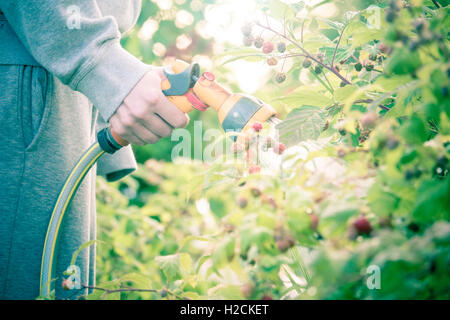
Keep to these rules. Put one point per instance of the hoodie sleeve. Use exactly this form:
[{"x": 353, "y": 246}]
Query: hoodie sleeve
[{"x": 73, "y": 41}]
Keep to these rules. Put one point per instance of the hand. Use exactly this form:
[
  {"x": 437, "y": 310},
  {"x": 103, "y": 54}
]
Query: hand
[{"x": 146, "y": 115}]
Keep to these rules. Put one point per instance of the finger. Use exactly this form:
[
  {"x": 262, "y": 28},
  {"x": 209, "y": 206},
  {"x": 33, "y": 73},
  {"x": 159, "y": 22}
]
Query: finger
[
  {"x": 158, "y": 126},
  {"x": 170, "y": 113},
  {"x": 144, "y": 134},
  {"x": 119, "y": 128},
  {"x": 134, "y": 128}
]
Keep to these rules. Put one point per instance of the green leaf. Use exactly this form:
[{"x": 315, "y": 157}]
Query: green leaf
[
  {"x": 185, "y": 263},
  {"x": 77, "y": 252},
  {"x": 280, "y": 10},
  {"x": 224, "y": 251},
  {"x": 170, "y": 266},
  {"x": 302, "y": 124},
  {"x": 301, "y": 97}
]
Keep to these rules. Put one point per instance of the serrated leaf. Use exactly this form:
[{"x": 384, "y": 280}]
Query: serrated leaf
[
  {"x": 170, "y": 266},
  {"x": 306, "y": 97},
  {"x": 302, "y": 124}
]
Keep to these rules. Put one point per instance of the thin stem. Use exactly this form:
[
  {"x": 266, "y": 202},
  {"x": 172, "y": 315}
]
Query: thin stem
[
  {"x": 436, "y": 4},
  {"x": 321, "y": 81},
  {"x": 337, "y": 46},
  {"x": 326, "y": 78},
  {"x": 331, "y": 68},
  {"x": 109, "y": 291},
  {"x": 370, "y": 101}
]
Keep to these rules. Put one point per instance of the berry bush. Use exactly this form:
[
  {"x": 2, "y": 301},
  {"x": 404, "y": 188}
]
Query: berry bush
[{"x": 353, "y": 203}]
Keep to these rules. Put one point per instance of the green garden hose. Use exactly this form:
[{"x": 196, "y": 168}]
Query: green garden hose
[{"x": 87, "y": 160}]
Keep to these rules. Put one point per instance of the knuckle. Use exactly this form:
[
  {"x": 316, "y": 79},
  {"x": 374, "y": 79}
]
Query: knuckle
[
  {"x": 153, "y": 97},
  {"x": 140, "y": 112},
  {"x": 181, "y": 122}
]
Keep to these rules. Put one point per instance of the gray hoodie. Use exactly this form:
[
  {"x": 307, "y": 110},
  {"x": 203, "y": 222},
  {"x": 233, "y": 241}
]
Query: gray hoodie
[{"x": 58, "y": 59}]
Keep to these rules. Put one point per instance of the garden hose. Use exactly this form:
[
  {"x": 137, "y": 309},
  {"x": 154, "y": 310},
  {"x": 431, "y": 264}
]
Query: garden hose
[{"x": 188, "y": 90}]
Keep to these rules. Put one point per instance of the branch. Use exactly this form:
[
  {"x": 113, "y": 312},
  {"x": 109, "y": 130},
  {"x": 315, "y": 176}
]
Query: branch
[
  {"x": 337, "y": 46},
  {"x": 370, "y": 101},
  {"x": 109, "y": 291},
  {"x": 436, "y": 4},
  {"x": 307, "y": 54}
]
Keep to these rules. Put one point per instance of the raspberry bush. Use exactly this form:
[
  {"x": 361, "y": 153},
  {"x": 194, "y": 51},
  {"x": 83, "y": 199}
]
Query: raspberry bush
[{"x": 360, "y": 188}]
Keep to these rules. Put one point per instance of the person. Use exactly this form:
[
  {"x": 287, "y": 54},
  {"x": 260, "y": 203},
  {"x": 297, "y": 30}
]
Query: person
[{"x": 64, "y": 75}]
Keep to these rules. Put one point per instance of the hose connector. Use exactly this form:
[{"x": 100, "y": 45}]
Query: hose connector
[{"x": 107, "y": 142}]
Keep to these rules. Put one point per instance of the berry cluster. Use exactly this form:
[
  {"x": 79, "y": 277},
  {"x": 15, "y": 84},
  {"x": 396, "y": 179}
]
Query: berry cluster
[{"x": 266, "y": 46}]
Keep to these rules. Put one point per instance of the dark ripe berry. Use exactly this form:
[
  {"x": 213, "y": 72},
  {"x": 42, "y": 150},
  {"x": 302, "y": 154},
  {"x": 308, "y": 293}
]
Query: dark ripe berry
[
  {"x": 259, "y": 41},
  {"x": 342, "y": 132},
  {"x": 254, "y": 169},
  {"x": 358, "y": 66},
  {"x": 419, "y": 24},
  {"x": 246, "y": 29},
  {"x": 369, "y": 67},
  {"x": 318, "y": 69},
  {"x": 373, "y": 57},
  {"x": 163, "y": 293},
  {"x": 414, "y": 227},
  {"x": 396, "y": 4},
  {"x": 414, "y": 45},
  {"x": 272, "y": 61},
  {"x": 242, "y": 202},
  {"x": 314, "y": 222},
  {"x": 280, "y": 77},
  {"x": 384, "y": 48},
  {"x": 267, "y": 47},
  {"x": 391, "y": 15},
  {"x": 444, "y": 91},
  {"x": 362, "y": 226},
  {"x": 392, "y": 143},
  {"x": 255, "y": 191},
  {"x": 281, "y": 47},
  {"x": 306, "y": 63},
  {"x": 368, "y": 120},
  {"x": 285, "y": 243},
  {"x": 266, "y": 297},
  {"x": 342, "y": 84},
  {"x": 442, "y": 162},
  {"x": 341, "y": 152},
  {"x": 410, "y": 174},
  {"x": 248, "y": 41}
]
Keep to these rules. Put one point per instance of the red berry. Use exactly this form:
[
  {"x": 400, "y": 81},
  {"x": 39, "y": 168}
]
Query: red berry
[
  {"x": 266, "y": 297},
  {"x": 257, "y": 126},
  {"x": 314, "y": 222},
  {"x": 267, "y": 47},
  {"x": 280, "y": 148},
  {"x": 254, "y": 169},
  {"x": 66, "y": 284},
  {"x": 362, "y": 225},
  {"x": 272, "y": 61}
]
